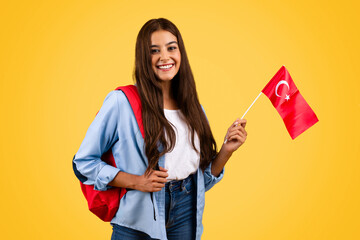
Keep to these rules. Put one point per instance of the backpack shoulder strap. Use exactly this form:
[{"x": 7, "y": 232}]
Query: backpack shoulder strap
[{"x": 133, "y": 97}]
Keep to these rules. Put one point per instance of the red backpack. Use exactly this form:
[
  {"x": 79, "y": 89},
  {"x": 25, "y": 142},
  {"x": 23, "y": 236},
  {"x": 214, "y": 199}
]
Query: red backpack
[{"x": 105, "y": 204}]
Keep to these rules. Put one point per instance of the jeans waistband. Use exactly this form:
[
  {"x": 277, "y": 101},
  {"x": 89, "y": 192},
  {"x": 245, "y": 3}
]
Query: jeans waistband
[{"x": 178, "y": 184}]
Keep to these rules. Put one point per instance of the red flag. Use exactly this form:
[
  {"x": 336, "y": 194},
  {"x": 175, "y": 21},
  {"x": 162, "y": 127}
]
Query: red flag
[{"x": 292, "y": 107}]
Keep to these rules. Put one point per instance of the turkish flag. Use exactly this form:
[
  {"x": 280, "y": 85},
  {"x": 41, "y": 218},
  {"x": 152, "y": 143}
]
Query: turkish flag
[{"x": 292, "y": 107}]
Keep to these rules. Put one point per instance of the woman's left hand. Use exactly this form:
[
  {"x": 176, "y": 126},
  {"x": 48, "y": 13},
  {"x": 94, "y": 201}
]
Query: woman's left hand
[{"x": 235, "y": 136}]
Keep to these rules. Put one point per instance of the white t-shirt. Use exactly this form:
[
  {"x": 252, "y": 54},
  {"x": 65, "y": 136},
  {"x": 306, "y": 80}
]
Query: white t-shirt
[{"x": 183, "y": 160}]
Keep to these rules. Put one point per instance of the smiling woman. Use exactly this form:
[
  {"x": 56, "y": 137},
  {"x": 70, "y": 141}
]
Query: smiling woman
[
  {"x": 176, "y": 162},
  {"x": 165, "y": 55}
]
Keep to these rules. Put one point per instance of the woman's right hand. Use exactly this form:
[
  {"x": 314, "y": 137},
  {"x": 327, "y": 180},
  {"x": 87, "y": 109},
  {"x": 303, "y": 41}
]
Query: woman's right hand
[{"x": 152, "y": 182}]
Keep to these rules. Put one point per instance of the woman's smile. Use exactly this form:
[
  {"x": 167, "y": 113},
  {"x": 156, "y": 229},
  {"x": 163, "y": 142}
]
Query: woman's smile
[{"x": 165, "y": 67}]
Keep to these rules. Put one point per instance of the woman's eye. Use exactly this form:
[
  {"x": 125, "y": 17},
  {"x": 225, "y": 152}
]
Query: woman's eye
[
  {"x": 154, "y": 50},
  {"x": 172, "y": 48}
]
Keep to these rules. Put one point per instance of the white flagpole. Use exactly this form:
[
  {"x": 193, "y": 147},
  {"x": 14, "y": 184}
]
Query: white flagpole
[
  {"x": 248, "y": 110},
  {"x": 251, "y": 105}
]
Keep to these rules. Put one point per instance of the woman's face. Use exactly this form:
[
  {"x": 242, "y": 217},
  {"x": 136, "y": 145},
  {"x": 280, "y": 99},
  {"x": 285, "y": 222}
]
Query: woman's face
[{"x": 165, "y": 55}]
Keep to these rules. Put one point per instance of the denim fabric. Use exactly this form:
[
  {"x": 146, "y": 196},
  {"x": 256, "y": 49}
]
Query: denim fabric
[
  {"x": 180, "y": 211},
  {"x": 125, "y": 233},
  {"x": 115, "y": 127}
]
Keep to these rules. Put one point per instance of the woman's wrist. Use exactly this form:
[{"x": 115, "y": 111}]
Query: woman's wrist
[
  {"x": 125, "y": 180},
  {"x": 134, "y": 182},
  {"x": 224, "y": 152},
  {"x": 220, "y": 161}
]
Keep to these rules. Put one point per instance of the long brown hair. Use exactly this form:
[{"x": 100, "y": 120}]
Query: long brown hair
[{"x": 184, "y": 92}]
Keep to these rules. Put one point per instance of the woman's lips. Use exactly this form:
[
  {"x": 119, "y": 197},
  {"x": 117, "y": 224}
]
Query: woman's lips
[{"x": 166, "y": 69}]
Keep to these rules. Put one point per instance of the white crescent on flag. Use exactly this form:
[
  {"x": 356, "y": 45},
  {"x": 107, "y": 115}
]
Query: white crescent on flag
[
  {"x": 278, "y": 85},
  {"x": 287, "y": 97}
]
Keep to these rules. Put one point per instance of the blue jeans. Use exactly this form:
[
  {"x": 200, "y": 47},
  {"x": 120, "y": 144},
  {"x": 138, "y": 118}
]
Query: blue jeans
[{"x": 180, "y": 214}]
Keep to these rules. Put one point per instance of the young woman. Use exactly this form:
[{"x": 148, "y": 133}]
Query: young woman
[{"x": 171, "y": 168}]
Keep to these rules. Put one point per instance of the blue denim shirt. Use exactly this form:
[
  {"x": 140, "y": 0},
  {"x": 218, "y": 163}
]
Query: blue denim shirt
[{"x": 115, "y": 127}]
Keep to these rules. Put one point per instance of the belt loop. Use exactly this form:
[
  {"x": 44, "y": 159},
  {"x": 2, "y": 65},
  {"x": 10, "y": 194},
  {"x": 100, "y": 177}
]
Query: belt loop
[{"x": 185, "y": 181}]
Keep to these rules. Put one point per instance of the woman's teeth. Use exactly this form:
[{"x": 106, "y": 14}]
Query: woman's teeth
[{"x": 165, "y": 67}]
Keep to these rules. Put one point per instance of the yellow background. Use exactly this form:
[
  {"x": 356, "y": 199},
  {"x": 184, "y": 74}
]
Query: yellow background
[{"x": 59, "y": 59}]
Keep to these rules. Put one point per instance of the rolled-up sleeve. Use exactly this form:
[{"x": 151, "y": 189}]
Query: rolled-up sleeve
[
  {"x": 209, "y": 179},
  {"x": 99, "y": 138}
]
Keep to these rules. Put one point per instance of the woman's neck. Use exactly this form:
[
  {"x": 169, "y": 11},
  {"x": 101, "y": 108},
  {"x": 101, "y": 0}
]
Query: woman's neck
[{"x": 169, "y": 101}]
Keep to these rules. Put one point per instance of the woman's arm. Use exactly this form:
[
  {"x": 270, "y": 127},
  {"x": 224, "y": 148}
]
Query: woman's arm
[
  {"x": 100, "y": 136},
  {"x": 236, "y": 136},
  {"x": 152, "y": 182}
]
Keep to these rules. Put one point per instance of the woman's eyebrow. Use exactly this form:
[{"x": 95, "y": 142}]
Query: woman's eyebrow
[{"x": 165, "y": 44}]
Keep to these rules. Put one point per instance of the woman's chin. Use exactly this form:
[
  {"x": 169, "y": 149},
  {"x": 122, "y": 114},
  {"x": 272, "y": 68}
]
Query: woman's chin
[{"x": 165, "y": 79}]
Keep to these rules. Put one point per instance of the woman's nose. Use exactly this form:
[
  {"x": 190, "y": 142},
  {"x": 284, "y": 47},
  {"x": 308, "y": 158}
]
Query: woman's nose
[{"x": 164, "y": 55}]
